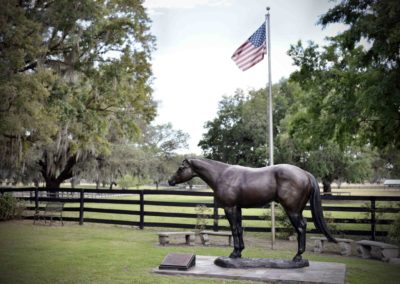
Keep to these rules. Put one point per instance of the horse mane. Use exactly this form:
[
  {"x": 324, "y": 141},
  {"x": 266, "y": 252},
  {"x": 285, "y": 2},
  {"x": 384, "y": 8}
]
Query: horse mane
[
  {"x": 208, "y": 161},
  {"x": 207, "y": 170}
]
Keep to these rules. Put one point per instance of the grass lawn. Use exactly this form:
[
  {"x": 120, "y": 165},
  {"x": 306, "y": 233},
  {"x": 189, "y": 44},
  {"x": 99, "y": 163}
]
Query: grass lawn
[{"x": 115, "y": 254}]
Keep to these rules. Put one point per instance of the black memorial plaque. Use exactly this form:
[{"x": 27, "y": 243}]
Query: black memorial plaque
[{"x": 178, "y": 261}]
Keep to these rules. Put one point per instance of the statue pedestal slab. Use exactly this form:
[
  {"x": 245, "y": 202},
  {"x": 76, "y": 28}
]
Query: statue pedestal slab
[{"x": 316, "y": 272}]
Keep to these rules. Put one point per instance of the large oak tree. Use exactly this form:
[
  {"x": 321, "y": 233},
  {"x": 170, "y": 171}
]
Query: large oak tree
[{"x": 74, "y": 77}]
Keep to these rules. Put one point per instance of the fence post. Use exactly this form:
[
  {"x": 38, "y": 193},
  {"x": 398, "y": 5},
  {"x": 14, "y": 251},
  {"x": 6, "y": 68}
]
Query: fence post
[
  {"x": 141, "y": 221},
  {"x": 215, "y": 215},
  {"x": 373, "y": 219},
  {"x": 36, "y": 200},
  {"x": 81, "y": 206}
]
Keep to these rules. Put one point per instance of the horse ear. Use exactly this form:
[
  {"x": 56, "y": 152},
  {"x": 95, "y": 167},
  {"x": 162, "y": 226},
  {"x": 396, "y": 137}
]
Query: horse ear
[{"x": 186, "y": 162}]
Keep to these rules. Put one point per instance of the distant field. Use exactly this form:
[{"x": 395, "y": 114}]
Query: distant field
[
  {"x": 366, "y": 190},
  {"x": 345, "y": 189}
]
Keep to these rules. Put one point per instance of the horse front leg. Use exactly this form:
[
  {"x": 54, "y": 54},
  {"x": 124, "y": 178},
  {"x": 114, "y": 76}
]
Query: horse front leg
[
  {"x": 231, "y": 214},
  {"x": 240, "y": 228}
]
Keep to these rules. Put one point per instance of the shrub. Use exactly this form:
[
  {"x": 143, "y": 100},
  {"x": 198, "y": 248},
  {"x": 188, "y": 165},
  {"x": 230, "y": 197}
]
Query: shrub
[
  {"x": 203, "y": 213},
  {"x": 285, "y": 228},
  {"x": 9, "y": 207},
  {"x": 394, "y": 231},
  {"x": 330, "y": 221},
  {"x": 128, "y": 181}
]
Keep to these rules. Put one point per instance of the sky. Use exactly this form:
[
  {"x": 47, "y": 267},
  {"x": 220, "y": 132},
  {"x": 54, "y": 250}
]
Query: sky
[{"x": 192, "y": 64}]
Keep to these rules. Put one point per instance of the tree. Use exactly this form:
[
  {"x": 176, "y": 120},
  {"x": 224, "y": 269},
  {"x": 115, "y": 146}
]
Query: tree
[
  {"x": 308, "y": 149},
  {"x": 163, "y": 139},
  {"x": 75, "y": 76},
  {"x": 331, "y": 163},
  {"x": 161, "y": 142},
  {"x": 385, "y": 164},
  {"x": 152, "y": 157},
  {"x": 125, "y": 159},
  {"x": 238, "y": 134},
  {"x": 352, "y": 83}
]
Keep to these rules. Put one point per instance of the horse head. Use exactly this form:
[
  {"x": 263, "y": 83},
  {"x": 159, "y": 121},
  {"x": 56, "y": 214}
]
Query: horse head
[{"x": 183, "y": 174}]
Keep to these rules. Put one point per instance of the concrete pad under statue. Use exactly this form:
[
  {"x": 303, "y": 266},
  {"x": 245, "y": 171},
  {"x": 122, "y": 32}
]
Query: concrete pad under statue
[{"x": 316, "y": 272}]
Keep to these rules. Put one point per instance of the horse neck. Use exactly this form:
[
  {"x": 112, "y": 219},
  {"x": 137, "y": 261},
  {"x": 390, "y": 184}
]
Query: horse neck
[{"x": 208, "y": 170}]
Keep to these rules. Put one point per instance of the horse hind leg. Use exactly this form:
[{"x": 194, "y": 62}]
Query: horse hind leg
[{"x": 300, "y": 225}]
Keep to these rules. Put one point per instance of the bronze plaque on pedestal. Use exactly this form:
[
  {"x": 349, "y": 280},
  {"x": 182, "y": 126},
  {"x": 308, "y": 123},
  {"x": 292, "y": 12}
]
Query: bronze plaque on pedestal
[{"x": 178, "y": 261}]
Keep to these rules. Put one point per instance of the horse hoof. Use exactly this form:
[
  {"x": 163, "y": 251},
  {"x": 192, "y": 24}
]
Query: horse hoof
[
  {"x": 235, "y": 255},
  {"x": 297, "y": 258}
]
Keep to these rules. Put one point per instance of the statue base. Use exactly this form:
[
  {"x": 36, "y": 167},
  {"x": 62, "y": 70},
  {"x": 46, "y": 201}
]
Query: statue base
[
  {"x": 317, "y": 272},
  {"x": 247, "y": 263}
]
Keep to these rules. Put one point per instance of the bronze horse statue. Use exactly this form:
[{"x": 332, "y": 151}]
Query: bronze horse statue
[{"x": 237, "y": 187}]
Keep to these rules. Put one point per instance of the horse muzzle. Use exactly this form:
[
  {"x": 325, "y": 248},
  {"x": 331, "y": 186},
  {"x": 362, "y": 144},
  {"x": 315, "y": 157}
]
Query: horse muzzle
[{"x": 171, "y": 182}]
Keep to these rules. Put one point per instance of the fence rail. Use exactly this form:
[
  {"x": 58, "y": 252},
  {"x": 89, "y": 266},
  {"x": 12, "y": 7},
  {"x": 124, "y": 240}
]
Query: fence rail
[{"x": 84, "y": 197}]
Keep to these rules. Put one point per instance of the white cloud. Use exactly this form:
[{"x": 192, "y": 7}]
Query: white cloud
[{"x": 183, "y": 4}]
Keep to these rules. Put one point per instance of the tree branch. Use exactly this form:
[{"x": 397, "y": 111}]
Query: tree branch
[
  {"x": 54, "y": 47},
  {"x": 105, "y": 109},
  {"x": 30, "y": 66},
  {"x": 43, "y": 165},
  {"x": 67, "y": 171}
]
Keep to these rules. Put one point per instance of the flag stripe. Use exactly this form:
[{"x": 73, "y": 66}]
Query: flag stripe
[
  {"x": 250, "y": 58},
  {"x": 253, "y": 62},
  {"x": 242, "y": 48},
  {"x": 245, "y": 53},
  {"x": 252, "y": 50}
]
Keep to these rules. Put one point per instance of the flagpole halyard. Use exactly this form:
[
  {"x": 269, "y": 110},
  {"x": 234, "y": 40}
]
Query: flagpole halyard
[{"x": 271, "y": 138}]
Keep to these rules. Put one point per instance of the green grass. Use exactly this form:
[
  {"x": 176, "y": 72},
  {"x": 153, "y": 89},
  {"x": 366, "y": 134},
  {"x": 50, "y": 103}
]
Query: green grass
[{"x": 114, "y": 254}]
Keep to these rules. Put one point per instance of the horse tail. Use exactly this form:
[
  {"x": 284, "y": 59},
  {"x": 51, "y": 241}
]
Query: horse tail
[{"x": 316, "y": 211}]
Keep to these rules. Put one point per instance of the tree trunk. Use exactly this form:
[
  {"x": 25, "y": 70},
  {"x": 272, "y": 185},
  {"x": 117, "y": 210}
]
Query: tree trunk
[
  {"x": 52, "y": 186},
  {"x": 112, "y": 183},
  {"x": 36, "y": 182},
  {"x": 53, "y": 182},
  {"x": 327, "y": 185}
]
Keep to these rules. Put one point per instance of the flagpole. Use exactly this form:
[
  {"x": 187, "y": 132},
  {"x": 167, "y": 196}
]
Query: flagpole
[{"x": 271, "y": 138}]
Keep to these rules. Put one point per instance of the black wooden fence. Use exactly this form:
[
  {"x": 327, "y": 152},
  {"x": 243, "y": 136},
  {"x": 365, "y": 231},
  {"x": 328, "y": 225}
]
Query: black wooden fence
[{"x": 372, "y": 215}]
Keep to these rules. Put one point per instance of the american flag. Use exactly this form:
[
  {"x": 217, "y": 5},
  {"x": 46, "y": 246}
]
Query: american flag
[{"x": 252, "y": 51}]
